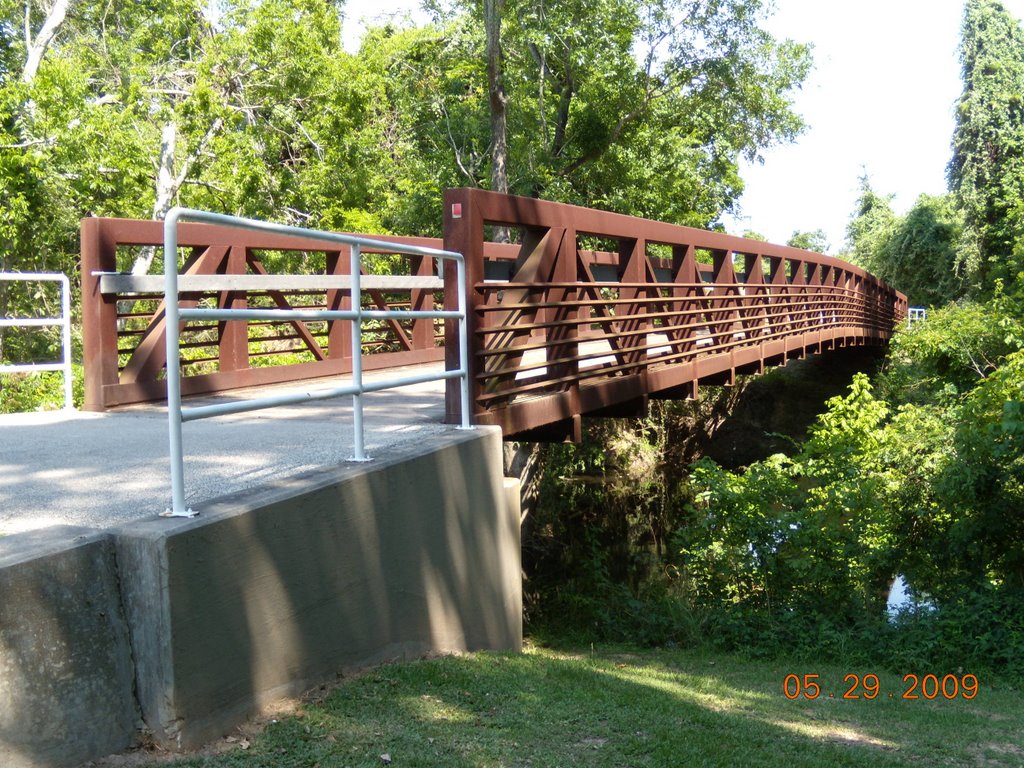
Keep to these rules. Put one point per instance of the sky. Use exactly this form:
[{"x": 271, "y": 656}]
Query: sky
[{"x": 878, "y": 101}]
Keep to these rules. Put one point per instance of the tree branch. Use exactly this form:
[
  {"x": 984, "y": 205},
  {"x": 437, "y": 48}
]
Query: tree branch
[
  {"x": 26, "y": 144},
  {"x": 37, "y": 48},
  {"x": 451, "y": 140}
]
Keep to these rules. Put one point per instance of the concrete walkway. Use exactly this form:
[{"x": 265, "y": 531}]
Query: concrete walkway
[{"x": 100, "y": 470}]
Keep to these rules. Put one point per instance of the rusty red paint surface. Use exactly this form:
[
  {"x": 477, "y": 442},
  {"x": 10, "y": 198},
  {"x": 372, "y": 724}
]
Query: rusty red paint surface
[
  {"x": 578, "y": 330},
  {"x": 589, "y": 313}
]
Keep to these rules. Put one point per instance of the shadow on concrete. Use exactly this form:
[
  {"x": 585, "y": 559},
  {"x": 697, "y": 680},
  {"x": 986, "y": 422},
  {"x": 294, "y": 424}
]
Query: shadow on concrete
[
  {"x": 272, "y": 592},
  {"x": 66, "y": 676}
]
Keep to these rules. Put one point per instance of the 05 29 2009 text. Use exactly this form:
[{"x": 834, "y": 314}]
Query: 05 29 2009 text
[{"x": 868, "y": 686}]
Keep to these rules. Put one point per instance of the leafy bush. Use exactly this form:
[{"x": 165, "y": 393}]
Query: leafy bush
[
  {"x": 979, "y": 631},
  {"x": 806, "y": 533},
  {"x": 953, "y": 351},
  {"x": 21, "y": 392},
  {"x": 796, "y": 553}
]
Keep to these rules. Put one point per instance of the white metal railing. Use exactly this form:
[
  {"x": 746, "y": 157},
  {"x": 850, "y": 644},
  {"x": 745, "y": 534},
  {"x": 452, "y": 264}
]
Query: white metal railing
[
  {"x": 177, "y": 415},
  {"x": 64, "y": 321}
]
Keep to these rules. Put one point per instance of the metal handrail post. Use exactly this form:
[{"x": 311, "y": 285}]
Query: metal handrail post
[
  {"x": 65, "y": 308},
  {"x": 460, "y": 271},
  {"x": 171, "y": 335},
  {"x": 358, "y": 446}
]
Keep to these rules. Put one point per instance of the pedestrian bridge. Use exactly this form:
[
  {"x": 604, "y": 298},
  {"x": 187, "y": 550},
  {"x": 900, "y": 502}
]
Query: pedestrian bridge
[
  {"x": 587, "y": 313},
  {"x": 301, "y": 565}
]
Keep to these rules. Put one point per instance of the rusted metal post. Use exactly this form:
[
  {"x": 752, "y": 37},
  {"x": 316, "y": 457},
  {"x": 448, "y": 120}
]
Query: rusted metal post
[
  {"x": 233, "y": 335},
  {"x": 99, "y": 314},
  {"x": 423, "y": 336},
  {"x": 463, "y": 233},
  {"x": 339, "y": 332}
]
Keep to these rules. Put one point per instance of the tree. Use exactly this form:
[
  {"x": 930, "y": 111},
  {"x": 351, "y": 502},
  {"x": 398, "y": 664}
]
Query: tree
[
  {"x": 986, "y": 172},
  {"x": 872, "y": 222},
  {"x": 493, "y": 10},
  {"x": 640, "y": 106},
  {"x": 816, "y": 241},
  {"x": 919, "y": 256},
  {"x": 916, "y": 253}
]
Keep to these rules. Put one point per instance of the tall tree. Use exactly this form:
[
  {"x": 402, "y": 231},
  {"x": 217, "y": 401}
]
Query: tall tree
[
  {"x": 640, "y": 106},
  {"x": 873, "y": 221},
  {"x": 493, "y": 10},
  {"x": 986, "y": 172},
  {"x": 916, "y": 253},
  {"x": 630, "y": 102},
  {"x": 919, "y": 255},
  {"x": 816, "y": 241}
]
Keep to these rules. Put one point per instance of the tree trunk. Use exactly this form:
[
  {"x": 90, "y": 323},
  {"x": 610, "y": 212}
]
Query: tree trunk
[
  {"x": 165, "y": 191},
  {"x": 168, "y": 184},
  {"x": 493, "y": 10},
  {"x": 36, "y": 48}
]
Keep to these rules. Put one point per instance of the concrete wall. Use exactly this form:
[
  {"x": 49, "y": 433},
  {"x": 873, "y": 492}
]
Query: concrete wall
[
  {"x": 268, "y": 593},
  {"x": 66, "y": 674},
  {"x": 264, "y": 595}
]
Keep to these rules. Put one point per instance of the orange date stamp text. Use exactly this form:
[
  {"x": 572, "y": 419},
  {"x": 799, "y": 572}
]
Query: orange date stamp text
[{"x": 867, "y": 686}]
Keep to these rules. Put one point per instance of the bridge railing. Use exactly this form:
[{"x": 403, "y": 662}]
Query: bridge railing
[
  {"x": 124, "y": 325},
  {"x": 599, "y": 311},
  {"x": 177, "y": 316},
  {"x": 123, "y": 314},
  {"x": 64, "y": 322},
  {"x": 588, "y": 312}
]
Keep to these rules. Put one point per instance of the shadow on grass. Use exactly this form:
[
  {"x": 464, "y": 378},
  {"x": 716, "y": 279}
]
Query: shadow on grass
[{"x": 549, "y": 709}]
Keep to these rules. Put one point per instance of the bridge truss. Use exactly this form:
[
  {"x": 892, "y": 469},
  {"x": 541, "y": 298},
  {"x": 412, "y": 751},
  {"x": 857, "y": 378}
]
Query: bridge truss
[
  {"x": 585, "y": 312},
  {"x": 599, "y": 312}
]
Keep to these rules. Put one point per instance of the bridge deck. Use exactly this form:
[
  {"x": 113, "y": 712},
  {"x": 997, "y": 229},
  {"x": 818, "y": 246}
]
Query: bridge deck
[{"x": 105, "y": 469}]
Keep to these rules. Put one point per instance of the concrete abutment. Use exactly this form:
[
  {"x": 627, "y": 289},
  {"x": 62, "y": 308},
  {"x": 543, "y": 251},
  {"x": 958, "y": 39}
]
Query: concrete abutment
[{"x": 190, "y": 626}]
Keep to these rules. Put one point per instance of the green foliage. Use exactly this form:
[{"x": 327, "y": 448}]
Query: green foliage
[
  {"x": 803, "y": 534},
  {"x": 986, "y": 172},
  {"x": 816, "y": 241},
  {"x": 916, "y": 253},
  {"x": 920, "y": 254},
  {"x": 953, "y": 351},
  {"x": 931, "y": 486},
  {"x": 872, "y": 223},
  {"x": 21, "y": 392},
  {"x": 598, "y": 546},
  {"x": 613, "y": 104},
  {"x": 983, "y": 628},
  {"x": 981, "y": 489}
]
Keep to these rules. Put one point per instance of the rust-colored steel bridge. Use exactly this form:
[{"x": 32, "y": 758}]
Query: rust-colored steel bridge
[{"x": 587, "y": 313}]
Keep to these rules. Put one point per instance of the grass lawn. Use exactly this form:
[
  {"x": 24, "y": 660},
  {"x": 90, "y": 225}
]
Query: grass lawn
[{"x": 624, "y": 706}]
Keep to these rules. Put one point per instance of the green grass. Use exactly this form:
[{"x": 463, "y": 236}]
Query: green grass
[{"x": 629, "y": 707}]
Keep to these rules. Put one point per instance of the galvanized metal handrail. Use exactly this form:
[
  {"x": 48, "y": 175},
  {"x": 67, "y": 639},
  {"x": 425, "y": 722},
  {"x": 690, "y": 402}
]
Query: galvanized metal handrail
[
  {"x": 175, "y": 314},
  {"x": 64, "y": 321}
]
